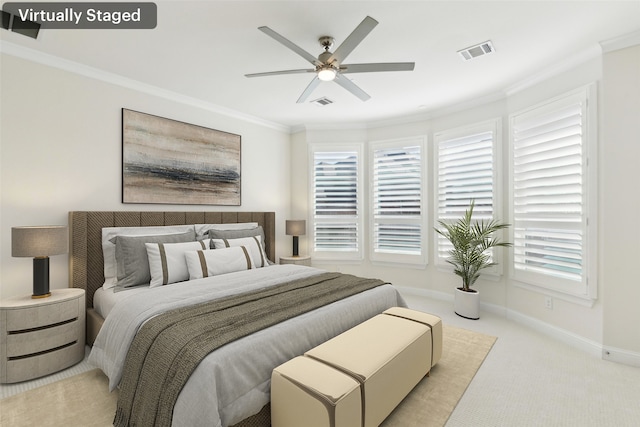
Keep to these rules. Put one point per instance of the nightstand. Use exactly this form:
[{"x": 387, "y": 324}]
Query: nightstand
[
  {"x": 41, "y": 336},
  {"x": 299, "y": 260}
]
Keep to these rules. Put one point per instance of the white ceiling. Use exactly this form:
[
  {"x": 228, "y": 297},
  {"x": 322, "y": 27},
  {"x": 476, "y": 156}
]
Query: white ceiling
[{"x": 202, "y": 49}]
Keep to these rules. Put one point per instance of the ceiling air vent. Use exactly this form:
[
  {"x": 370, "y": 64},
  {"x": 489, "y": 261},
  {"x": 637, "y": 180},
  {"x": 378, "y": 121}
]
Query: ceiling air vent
[
  {"x": 481, "y": 49},
  {"x": 322, "y": 101}
]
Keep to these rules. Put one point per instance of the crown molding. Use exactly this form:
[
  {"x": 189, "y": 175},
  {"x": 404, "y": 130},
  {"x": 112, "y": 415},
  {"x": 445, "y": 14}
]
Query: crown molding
[
  {"x": 408, "y": 118},
  {"x": 345, "y": 126},
  {"x": 621, "y": 42},
  {"x": 571, "y": 62},
  {"x": 33, "y": 55},
  {"x": 444, "y": 111}
]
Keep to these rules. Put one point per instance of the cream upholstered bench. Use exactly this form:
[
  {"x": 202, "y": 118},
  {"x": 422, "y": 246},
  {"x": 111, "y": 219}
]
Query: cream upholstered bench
[
  {"x": 433, "y": 322},
  {"x": 309, "y": 393},
  {"x": 386, "y": 356}
]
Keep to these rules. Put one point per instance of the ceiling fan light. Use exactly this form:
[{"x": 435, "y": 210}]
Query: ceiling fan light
[{"x": 327, "y": 74}]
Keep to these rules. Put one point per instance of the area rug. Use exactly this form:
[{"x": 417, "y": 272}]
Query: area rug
[
  {"x": 435, "y": 397},
  {"x": 84, "y": 399}
]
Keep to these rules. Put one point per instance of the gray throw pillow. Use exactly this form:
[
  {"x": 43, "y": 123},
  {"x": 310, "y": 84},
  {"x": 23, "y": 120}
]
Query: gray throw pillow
[{"x": 132, "y": 260}]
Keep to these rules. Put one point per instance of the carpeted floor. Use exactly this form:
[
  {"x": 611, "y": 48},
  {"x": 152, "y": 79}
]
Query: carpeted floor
[{"x": 84, "y": 399}]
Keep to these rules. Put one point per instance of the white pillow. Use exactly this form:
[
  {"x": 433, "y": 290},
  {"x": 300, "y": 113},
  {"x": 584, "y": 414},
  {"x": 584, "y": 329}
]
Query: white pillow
[
  {"x": 253, "y": 245},
  {"x": 212, "y": 263},
  {"x": 203, "y": 229},
  {"x": 109, "y": 248},
  {"x": 167, "y": 262}
]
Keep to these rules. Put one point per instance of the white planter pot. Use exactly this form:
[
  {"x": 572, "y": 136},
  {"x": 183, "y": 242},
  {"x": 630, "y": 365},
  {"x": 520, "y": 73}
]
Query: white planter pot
[{"x": 467, "y": 304}]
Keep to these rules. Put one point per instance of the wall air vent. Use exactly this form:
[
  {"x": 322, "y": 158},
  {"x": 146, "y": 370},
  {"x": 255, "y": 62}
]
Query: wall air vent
[
  {"x": 481, "y": 49},
  {"x": 322, "y": 101}
]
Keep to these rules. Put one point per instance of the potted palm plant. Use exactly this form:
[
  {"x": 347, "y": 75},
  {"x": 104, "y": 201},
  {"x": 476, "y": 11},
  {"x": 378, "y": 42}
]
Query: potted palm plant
[{"x": 471, "y": 242}]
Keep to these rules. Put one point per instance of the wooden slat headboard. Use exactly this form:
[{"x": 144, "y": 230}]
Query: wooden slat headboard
[{"x": 86, "y": 268}]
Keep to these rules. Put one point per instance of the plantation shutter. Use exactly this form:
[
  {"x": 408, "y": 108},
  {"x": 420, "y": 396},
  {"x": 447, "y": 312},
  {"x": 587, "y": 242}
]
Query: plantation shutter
[
  {"x": 397, "y": 180},
  {"x": 466, "y": 171},
  {"x": 548, "y": 191},
  {"x": 336, "y": 216}
]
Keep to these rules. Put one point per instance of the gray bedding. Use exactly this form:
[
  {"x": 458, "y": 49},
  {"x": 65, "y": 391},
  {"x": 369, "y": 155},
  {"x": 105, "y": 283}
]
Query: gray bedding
[{"x": 232, "y": 383}]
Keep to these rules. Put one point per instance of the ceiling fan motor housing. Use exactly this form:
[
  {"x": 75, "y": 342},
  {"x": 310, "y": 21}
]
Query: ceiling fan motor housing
[
  {"x": 331, "y": 67},
  {"x": 324, "y": 58}
]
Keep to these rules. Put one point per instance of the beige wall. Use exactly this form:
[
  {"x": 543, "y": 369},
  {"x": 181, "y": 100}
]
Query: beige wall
[
  {"x": 61, "y": 151},
  {"x": 620, "y": 200}
]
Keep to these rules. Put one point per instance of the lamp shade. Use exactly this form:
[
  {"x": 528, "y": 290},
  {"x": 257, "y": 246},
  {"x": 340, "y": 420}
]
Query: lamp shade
[
  {"x": 39, "y": 241},
  {"x": 296, "y": 227}
]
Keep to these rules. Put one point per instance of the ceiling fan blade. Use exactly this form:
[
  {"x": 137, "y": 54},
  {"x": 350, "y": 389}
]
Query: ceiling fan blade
[
  {"x": 353, "y": 40},
  {"x": 294, "y": 47},
  {"x": 351, "y": 87},
  {"x": 276, "y": 73},
  {"x": 314, "y": 83},
  {"x": 372, "y": 68}
]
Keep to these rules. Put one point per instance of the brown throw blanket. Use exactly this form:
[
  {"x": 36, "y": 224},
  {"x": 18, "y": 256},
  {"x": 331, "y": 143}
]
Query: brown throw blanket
[{"x": 170, "y": 346}]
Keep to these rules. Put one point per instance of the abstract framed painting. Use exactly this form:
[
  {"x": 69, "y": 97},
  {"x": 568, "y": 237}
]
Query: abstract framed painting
[{"x": 172, "y": 162}]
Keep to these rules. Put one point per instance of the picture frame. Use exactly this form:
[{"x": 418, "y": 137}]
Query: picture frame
[{"x": 166, "y": 161}]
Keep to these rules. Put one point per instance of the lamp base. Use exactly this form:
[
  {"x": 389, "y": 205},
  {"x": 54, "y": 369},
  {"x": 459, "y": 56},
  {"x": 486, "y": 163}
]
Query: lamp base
[
  {"x": 295, "y": 245},
  {"x": 41, "y": 277},
  {"x": 47, "y": 295}
]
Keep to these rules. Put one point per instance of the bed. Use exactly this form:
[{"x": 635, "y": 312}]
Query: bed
[{"x": 230, "y": 385}]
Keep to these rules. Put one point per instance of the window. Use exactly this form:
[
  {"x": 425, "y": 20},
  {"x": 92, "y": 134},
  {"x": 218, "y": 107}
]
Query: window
[
  {"x": 397, "y": 213},
  {"x": 466, "y": 169},
  {"x": 549, "y": 208},
  {"x": 336, "y": 202}
]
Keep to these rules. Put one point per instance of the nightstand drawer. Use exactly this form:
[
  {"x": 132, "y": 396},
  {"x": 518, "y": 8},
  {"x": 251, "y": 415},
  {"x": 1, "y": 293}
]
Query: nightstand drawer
[
  {"x": 41, "y": 336},
  {"x": 35, "y": 317},
  {"x": 42, "y": 340},
  {"x": 37, "y": 366}
]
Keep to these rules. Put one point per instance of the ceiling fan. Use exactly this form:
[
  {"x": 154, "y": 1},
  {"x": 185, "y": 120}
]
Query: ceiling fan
[{"x": 329, "y": 65}]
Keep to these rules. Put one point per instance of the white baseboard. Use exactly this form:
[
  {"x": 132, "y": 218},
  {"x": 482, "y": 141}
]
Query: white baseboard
[
  {"x": 426, "y": 293},
  {"x": 596, "y": 349},
  {"x": 574, "y": 340},
  {"x": 443, "y": 296},
  {"x": 619, "y": 355},
  {"x": 591, "y": 347}
]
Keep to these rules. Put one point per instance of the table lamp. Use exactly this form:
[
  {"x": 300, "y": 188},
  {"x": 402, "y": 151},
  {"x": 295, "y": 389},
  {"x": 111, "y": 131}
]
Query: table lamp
[
  {"x": 295, "y": 228},
  {"x": 39, "y": 242}
]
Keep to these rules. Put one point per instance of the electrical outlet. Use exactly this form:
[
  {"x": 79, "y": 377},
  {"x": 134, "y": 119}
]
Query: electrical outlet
[{"x": 548, "y": 303}]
